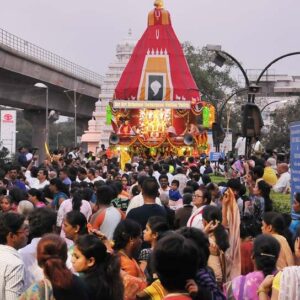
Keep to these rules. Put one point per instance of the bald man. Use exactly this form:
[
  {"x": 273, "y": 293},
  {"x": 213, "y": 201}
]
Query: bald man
[{"x": 283, "y": 182}]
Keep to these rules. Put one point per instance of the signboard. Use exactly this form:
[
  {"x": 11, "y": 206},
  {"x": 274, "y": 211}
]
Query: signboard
[
  {"x": 214, "y": 156},
  {"x": 8, "y": 130},
  {"x": 130, "y": 104},
  {"x": 295, "y": 158}
]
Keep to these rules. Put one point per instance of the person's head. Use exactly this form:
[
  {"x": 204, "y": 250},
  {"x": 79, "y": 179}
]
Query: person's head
[
  {"x": 6, "y": 203},
  {"x": 273, "y": 222},
  {"x": 63, "y": 174},
  {"x": 265, "y": 253},
  {"x": 172, "y": 253},
  {"x": 41, "y": 221},
  {"x": 282, "y": 168},
  {"x": 52, "y": 174},
  {"x": 296, "y": 203},
  {"x": 13, "y": 231},
  {"x": 13, "y": 172},
  {"x": 91, "y": 258},
  {"x": 213, "y": 214},
  {"x": 91, "y": 174},
  {"x": 175, "y": 185},
  {"x": 125, "y": 180},
  {"x": 213, "y": 189},
  {"x": 127, "y": 235},
  {"x": 89, "y": 251},
  {"x": 35, "y": 196},
  {"x": 155, "y": 226},
  {"x": 75, "y": 224},
  {"x": 201, "y": 197},
  {"x": 42, "y": 175},
  {"x": 163, "y": 181},
  {"x": 263, "y": 189},
  {"x": 25, "y": 207},
  {"x": 81, "y": 173},
  {"x": 258, "y": 172},
  {"x": 105, "y": 195},
  {"x": 201, "y": 241},
  {"x": 150, "y": 188},
  {"x": 51, "y": 257},
  {"x": 187, "y": 198},
  {"x": 56, "y": 185}
]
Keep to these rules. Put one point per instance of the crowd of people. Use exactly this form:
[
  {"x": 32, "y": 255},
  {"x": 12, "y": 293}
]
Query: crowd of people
[{"x": 79, "y": 227}]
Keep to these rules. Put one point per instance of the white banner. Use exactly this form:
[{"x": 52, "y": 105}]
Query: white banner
[{"x": 8, "y": 130}]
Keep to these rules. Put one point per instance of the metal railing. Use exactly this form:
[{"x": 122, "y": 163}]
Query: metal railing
[{"x": 48, "y": 58}]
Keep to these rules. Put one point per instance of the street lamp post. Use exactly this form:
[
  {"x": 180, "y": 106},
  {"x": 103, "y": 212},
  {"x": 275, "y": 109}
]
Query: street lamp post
[
  {"x": 57, "y": 134},
  {"x": 44, "y": 86},
  {"x": 74, "y": 102},
  {"x": 276, "y": 101}
]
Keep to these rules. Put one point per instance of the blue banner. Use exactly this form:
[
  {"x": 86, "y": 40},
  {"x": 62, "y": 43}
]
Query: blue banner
[{"x": 295, "y": 159}]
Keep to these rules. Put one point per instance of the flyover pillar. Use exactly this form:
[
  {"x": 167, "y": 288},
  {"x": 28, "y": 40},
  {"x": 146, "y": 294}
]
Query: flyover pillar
[{"x": 38, "y": 121}]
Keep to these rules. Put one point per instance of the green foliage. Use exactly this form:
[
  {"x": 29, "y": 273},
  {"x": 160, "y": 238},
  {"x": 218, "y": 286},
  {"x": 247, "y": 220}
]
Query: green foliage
[
  {"x": 212, "y": 81},
  {"x": 281, "y": 202},
  {"x": 279, "y": 135}
]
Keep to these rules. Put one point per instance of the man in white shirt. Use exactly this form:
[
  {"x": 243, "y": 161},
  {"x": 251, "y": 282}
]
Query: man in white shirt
[
  {"x": 82, "y": 175},
  {"x": 13, "y": 236},
  {"x": 42, "y": 176},
  {"x": 181, "y": 177},
  {"x": 41, "y": 221},
  {"x": 283, "y": 182},
  {"x": 138, "y": 200},
  {"x": 240, "y": 145},
  {"x": 156, "y": 173}
]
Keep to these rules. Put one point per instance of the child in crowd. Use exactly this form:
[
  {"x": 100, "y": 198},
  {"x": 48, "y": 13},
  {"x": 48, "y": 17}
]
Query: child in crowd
[{"x": 175, "y": 196}]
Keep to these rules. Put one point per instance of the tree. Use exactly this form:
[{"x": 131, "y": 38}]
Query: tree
[
  {"x": 214, "y": 83},
  {"x": 279, "y": 135}
]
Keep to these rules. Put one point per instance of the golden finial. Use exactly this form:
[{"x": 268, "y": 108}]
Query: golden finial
[{"x": 159, "y": 3}]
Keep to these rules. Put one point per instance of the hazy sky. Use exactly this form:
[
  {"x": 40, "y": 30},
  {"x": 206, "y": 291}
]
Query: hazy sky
[{"x": 86, "y": 32}]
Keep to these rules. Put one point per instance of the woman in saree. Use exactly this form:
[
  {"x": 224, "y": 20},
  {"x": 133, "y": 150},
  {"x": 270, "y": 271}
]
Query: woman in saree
[
  {"x": 265, "y": 254},
  {"x": 127, "y": 243}
]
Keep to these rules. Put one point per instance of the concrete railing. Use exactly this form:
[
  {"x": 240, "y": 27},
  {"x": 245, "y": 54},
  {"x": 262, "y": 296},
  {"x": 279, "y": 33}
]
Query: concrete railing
[{"x": 48, "y": 58}]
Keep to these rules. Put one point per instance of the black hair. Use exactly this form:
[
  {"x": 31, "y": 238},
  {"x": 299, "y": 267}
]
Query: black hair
[
  {"x": 234, "y": 184},
  {"x": 59, "y": 185},
  {"x": 265, "y": 190},
  {"x": 194, "y": 185},
  {"x": 188, "y": 190},
  {"x": 187, "y": 198},
  {"x": 200, "y": 239},
  {"x": 297, "y": 197},
  {"x": 163, "y": 176},
  {"x": 37, "y": 193},
  {"x": 276, "y": 220},
  {"x": 266, "y": 252},
  {"x": 82, "y": 170},
  {"x": 258, "y": 171},
  {"x": 9, "y": 222},
  {"x": 124, "y": 231},
  {"x": 135, "y": 190},
  {"x": 104, "y": 195},
  {"x": 175, "y": 182},
  {"x": 158, "y": 224},
  {"x": 17, "y": 195},
  {"x": 212, "y": 213},
  {"x": 87, "y": 193},
  {"x": 77, "y": 200},
  {"x": 76, "y": 218},
  {"x": 104, "y": 277},
  {"x": 171, "y": 254},
  {"x": 150, "y": 188},
  {"x": 41, "y": 221}
]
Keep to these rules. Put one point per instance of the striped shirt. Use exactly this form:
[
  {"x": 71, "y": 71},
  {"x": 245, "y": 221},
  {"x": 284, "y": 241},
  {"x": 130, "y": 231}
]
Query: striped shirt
[{"x": 12, "y": 273}]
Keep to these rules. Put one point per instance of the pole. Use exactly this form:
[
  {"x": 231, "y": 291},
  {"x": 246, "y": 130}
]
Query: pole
[
  {"x": 75, "y": 119},
  {"x": 47, "y": 118}
]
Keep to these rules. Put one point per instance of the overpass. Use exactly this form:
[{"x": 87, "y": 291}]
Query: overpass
[{"x": 22, "y": 64}]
